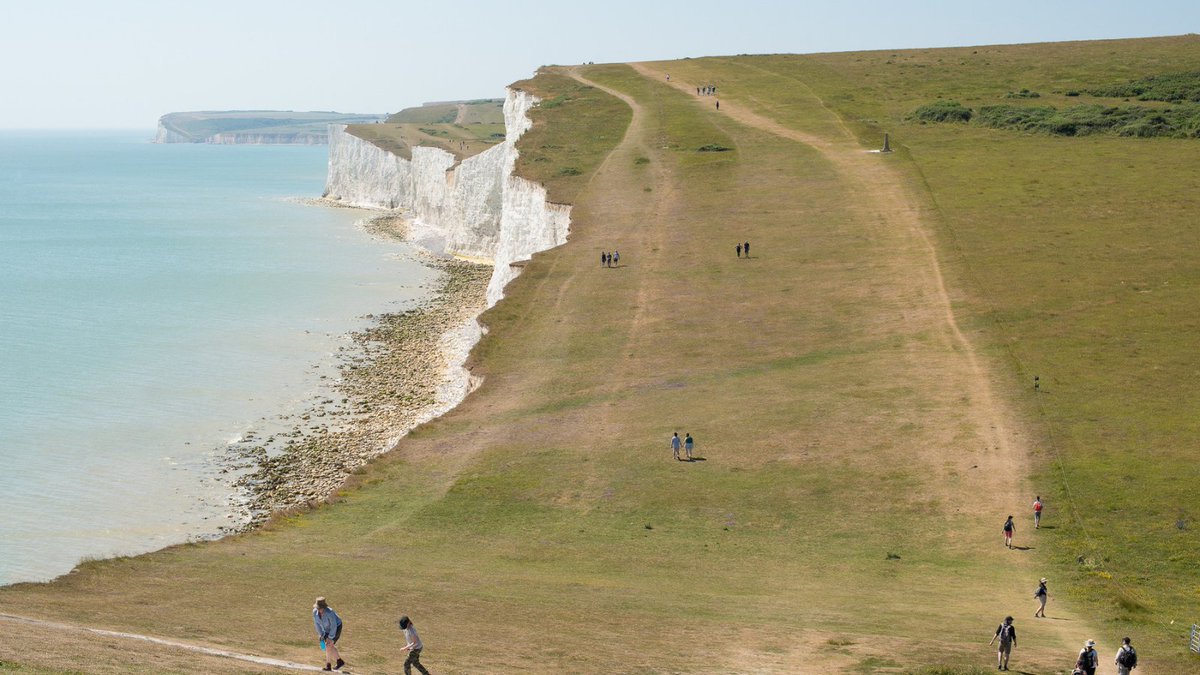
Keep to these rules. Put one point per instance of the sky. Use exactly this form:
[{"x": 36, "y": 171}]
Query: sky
[{"x": 124, "y": 63}]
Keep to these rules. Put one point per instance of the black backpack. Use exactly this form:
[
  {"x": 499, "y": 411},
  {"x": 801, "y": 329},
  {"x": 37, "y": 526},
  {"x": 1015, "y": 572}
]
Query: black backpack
[{"x": 1128, "y": 657}]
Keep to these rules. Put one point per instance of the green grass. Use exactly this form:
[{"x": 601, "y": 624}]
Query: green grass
[
  {"x": 1078, "y": 261},
  {"x": 1173, "y": 87}
]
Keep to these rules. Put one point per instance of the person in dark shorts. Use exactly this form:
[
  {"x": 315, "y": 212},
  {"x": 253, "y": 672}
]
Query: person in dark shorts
[
  {"x": 413, "y": 646},
  {"x": 1041, "y": 594},
  {"x": 1006, "y": 633},
  {"x": 329, "y": 630},
  {"x": 1009, "y": 528}
]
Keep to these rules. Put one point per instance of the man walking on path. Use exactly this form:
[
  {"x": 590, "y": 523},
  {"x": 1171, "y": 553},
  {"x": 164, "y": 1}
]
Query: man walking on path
[
  {"x": 739, "y": 249},
  {"x": 718, "y": 105},
  {"x": 413, "y": 647},
  {"x": 1007, "y": 634},
  {"x": 1042, "y": 595},
  {"x": 603, "y": 258},
  {"x": 1126, "y": 658},
  {"x": 688, "y": 443},
  {"x": 1089, "y": 658},
  {"x": 1037, "y": 512},
  {"x": 746, "y": 248},
  {"x": 675, "y": 445},
  {"x": 329, "y": 629},
  {"x": 616, "y": 258},
  {"x": 1009, "y": 528}
]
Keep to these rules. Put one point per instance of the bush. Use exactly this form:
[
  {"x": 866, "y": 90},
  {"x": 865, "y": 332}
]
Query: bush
[
  {"x": 1024, "y": 93},
  {"x": 941, "y": 111},
  {"x": 569, "y": 171},
  {"x": 712, "y": 147},
  {"x": 1174, "y": 88}
]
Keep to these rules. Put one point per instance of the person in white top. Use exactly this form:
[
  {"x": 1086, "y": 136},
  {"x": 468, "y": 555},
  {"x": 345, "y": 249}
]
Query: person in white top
[{"x": 413, "y": 647}]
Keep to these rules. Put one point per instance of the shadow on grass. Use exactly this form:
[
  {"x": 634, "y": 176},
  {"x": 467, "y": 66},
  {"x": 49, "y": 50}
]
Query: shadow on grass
[
  {"x": 1022, "y": 548},
  {"x": 697, "y": 459}
]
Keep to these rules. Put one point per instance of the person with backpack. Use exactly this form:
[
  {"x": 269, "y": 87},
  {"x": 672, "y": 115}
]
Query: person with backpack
[
  {"x": 1042, "y": 595},
  {"x": 413, "y": 646},
  {"x": 1037, "y": 512},
  {"x": 1126, "y": 658},
  {"x": 1009, "y": 528},
  {"x": 1089, "y": 658},
  {"x": 688, "y": 444},
  {"x": 1007, "y": 634},
  {"x": 329, "y": 630}
]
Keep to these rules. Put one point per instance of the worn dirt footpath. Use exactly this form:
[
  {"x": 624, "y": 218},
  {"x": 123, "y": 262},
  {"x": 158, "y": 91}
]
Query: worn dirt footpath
[{"x": 886, "y": 199}]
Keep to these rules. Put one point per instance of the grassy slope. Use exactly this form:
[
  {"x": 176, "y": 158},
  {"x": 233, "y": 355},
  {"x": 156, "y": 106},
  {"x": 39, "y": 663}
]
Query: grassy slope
[
  {"x": 819, "y": 406},
  {"x": 1081, "y": 262}
]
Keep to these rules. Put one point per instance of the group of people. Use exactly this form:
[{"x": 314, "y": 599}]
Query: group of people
[
  {"x": 707, "y": 90},
  {"x": 610, "y": 259},
  {"x": 1089, "y": 659},
  {"x": 744, "y": 247},
  {"x": 329, "y": 631},
  {"x": 687, "y": 443}
]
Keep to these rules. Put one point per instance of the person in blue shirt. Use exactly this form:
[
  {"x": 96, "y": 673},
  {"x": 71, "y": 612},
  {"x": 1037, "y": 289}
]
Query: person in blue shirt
[{"x": 329, "y": 629}]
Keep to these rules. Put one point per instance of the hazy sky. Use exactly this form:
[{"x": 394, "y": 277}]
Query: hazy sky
[{"x": 122, "y": 63}]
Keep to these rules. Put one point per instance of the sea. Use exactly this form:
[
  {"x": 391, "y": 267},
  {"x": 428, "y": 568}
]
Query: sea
[{"x": 157, "y": 304}]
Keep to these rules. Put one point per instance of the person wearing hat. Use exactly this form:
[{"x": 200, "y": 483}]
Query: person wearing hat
[
  {"x": 1042, "y": 595},
  {"x": 413, "y": 647},
  {"x": 329, "y": 629},
  {"x": 1007, "y": 634},
  {"x": 1089, "y": 658}
]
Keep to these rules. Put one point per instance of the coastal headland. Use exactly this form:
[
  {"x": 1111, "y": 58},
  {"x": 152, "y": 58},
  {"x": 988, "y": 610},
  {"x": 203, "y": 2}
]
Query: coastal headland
[{"x": 860, "y": 388}]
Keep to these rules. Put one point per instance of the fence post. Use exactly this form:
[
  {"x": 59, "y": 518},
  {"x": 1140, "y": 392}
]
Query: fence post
[{"x": 1194, "y": 643}]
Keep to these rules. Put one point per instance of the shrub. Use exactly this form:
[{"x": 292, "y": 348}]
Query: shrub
[
  {"x": 1024, "y": 93},
  {"x": 942, "y": 111},
  {"x": 1174, "y": 88},
  {"x": 712, "y": 147},
  {"x": 569, "y": 171}
]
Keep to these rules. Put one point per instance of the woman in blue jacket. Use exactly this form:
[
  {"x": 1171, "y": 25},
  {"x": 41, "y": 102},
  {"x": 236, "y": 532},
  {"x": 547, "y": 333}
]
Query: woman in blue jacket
[{"x": 329, "y": 629}]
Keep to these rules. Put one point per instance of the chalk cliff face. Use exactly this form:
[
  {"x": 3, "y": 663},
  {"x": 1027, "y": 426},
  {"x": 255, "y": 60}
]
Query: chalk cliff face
[{"x": 477, "y": 208}]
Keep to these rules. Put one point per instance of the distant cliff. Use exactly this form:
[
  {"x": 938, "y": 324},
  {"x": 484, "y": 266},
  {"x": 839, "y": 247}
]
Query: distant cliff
[
  {"x": 475, "y": 207},
  {"x": 253, "y": 126}
]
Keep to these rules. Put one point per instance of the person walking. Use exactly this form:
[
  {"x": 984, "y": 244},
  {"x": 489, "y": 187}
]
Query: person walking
[
  {"x": 718, "y": 105},
  {"x": 1006, "y": 633},
  {"x": 616, "y": 258},
  {"x": 1126, "y": 658},
  {"x": 739, "y": 249},
  {"x": 688, "y": 444},
  {"x": 1042, "y": 595},
  {"x": 603, "y": 258},
  {"x": 1009, "y": 528},
  {"x": 413, "y": 647},
  {"x": 746, "y": 248},
  {"x": 329, "y": 630},
  {"x": 1037, "y": 512},
  {"x": 1089, "y": 658},
  {"x": 675, "y": 445}
]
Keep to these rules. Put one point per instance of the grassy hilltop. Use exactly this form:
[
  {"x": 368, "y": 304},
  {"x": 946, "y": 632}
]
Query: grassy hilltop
[
  {"x": 860, "y": 390},
  {"x": 462, "y": 128}
]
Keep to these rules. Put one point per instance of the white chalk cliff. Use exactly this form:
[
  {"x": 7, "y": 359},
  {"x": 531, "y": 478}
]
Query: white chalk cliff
[{"x": 477, "y": 208}]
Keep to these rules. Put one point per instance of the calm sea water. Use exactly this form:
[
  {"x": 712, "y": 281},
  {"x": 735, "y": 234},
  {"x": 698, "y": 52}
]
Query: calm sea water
[{"x": 156, "y": 302}]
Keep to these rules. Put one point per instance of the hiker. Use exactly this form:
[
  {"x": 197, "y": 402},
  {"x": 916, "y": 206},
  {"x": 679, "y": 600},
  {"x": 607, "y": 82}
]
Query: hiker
[
  {"x": 675, "y": 445},
  {"x": 746, "y": 248},
  {"x": 1126, "y": 658},
  {"x": 739, "y": 250},
  {"x": 608, "y": 260},
  {"x": 1007, "y": 634},
  {"x": 329, "y": 629},
  {"x": 688, "y": 444},
  {"x": 1037, "y": 512},
  {"x": 603, "y": 258},
  {"x": 413, "y": 647},
  {"x": 668, "y": 77},
  {"x": 1042, "y": 596},
  {"x": 616, "y": 258},
  {"x": 1009, "y": 528},
  {"x": 718, "y": 105},
  {"x": 697, "y": 91},
  {"x": 1089, "y": 658}
]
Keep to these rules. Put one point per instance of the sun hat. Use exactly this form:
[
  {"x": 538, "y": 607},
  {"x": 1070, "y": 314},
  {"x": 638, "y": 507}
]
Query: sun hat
[
  {"x": 1090, "y": 643},
  {"x": 1043, "y": 580},
  {"x": 321, "y": 604}
]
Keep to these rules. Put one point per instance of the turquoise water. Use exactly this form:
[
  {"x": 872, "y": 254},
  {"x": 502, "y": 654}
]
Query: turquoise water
[{"x": 156, "y": 302}]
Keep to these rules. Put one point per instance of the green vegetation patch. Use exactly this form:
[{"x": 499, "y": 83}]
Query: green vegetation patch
[
  {"x": 942, "y": 111},
  {"x": 1024, "y": 93},
  {"x": 1080, "y": 120},
  {"x": 1173, "y": 88}
]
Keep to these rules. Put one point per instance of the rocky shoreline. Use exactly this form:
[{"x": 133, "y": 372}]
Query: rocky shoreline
[{"x": 393, "y": 376}]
